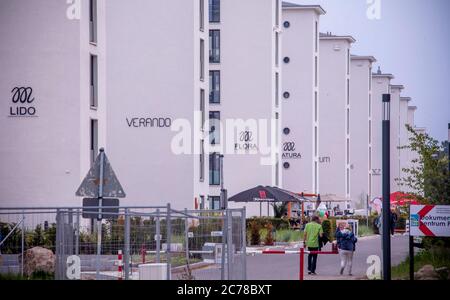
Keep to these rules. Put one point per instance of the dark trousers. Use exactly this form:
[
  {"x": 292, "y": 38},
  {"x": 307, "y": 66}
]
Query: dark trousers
[{"x": 312, "y": 260}]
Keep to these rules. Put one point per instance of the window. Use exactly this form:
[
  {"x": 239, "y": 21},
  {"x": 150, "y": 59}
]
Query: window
[
  {"x": 370, "y": 132},
  {"x": 286, "y": 165},
  {"x": 286, "y": 24},
  {"x": 214, "y": 11},
  {"x": 315, "y": 177},
  {"x": 202, "y": 14},
  {"x": 202, "y": 59},
  {"x": 214, "y": 127},
  {"x": 370, "y": 105},
  {"x": 370, "y": 79},
  {"x": 348, "y": 121},
  {"x": 277, "y": 12},
  {"x": 202, "y": 109},
  {"x": 277, "y": 89},
  {"x": 348, "y": 181},
  {"x": 286, "y": 60},
  {"x": 316, "y": 110},
  {"x": 315, "y": 140},
  {"x": 348, "y": 91},
  {"x": 214, "y": 169},
  {"x": 214, "y": 87},
  {"x": 317, "y": 36},
  {"x": 348, "y": 151},
  {"x": 316, "y": 80},
  {"x": 93, "y": 140},
  {"x": 93, "y": 21},
  {"x": 277, "y": 49},
  {"x": 286, "y": 95},
  {"x": 277, "y": 171},
  {"x": 202, "y": 160},
  {"x": 94, "y": 81},
  {"x": 214, "y": 202},
  {"x": 214, "y": 46},
  {"x": 286, "y": 131},
  {"x": 202, "y": 202},
  {"x": 348, "y": 61}
]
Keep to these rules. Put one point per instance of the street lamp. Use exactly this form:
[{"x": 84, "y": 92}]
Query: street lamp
[{"x": 386, "y": 213}]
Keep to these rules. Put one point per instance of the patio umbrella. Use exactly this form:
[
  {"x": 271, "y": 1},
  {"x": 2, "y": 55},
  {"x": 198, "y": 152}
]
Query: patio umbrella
[
  {"x": 401, "y": 199},
  {"x": 266, "y": 194}
]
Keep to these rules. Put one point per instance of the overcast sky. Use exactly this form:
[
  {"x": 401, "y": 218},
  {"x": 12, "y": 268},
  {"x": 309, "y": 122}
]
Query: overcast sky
[{"x": 411, "y": 40}]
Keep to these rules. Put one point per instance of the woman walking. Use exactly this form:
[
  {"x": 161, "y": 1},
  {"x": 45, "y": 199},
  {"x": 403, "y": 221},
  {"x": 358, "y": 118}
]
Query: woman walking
[{"x": 346, "y": 241}]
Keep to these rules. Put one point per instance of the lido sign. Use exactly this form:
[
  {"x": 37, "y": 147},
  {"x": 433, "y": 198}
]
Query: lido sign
[
  {"x": 22, "y": 102},
  {"x": 429, "y": 220}
]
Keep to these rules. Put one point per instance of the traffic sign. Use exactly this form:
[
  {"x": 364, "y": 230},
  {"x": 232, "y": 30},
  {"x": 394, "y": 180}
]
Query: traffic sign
[
  {"x": 429, "y": 220},
  {"x": 111, "y": 185},
  {"x": 110, "y": 208}
]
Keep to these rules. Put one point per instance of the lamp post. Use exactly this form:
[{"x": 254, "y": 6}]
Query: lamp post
[{"x": 386, "y": 214}]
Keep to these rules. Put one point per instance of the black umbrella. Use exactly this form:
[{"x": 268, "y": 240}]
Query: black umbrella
[{"x": 266, "y": 194}]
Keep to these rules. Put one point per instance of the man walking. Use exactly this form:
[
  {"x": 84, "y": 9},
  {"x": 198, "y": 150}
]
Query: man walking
[{"x": 313, "y": 231}]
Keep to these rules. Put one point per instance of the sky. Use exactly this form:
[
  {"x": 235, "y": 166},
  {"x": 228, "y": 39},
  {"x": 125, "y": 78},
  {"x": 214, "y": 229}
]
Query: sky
[{"x": 411, "y": 40}]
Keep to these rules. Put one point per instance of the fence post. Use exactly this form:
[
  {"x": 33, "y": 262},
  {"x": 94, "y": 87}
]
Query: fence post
[
  {"x": 58, "y": 250},
  {"x": 168, "y": 240},
  {"x": 77, "y": 240},
  {"x": 186, "y": 235},
  {"x": 127, "y": 244},
  {"x": 23, "y": 240},
  {"x": 302, "y": 258},
  {"x": 244, "y": 243},
  {"x": 224, "y": 239},
  {"x": 158, "y": 237},
  {"x": 229, "y": 244}
]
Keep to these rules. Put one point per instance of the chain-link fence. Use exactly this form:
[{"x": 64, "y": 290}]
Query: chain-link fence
[{"x": 128, "y": 243}]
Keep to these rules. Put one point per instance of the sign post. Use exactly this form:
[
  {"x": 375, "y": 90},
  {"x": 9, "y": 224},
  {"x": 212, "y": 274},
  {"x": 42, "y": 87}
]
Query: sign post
[
  {"x": 100, "y": 182},
  {"x": 426, "y": 220}
]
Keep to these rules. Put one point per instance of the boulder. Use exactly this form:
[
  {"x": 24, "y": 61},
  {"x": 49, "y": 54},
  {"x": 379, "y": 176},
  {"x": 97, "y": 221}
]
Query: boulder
[
  {"x": 38, "y": 259},
  {"x": 427, "y": 272}
]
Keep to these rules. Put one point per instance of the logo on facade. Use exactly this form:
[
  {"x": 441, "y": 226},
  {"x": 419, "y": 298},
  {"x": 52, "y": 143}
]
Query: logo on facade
[
  {"x": 22, "y": 99},
  {"x": 289, "y": 151},
  {"x": 376, "y": 172},
  {"x": 325, "y": 160},
  {"x": 245, "y": 141},
  {"x": 149, "y": 122}
]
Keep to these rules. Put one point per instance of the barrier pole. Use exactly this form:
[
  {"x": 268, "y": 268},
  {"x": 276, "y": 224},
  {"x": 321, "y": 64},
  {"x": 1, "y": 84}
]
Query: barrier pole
[
  {"x": 119, "y": 265},
  {"x": 302, "y": 262}
]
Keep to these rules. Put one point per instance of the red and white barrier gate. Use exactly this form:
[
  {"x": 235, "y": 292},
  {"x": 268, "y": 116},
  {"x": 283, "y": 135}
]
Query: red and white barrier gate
[
  {"x": 120, "y": 265},
  {"x": 300, "y": 252}
]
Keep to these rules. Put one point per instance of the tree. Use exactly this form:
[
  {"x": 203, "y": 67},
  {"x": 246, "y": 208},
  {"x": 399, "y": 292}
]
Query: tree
[
  {"x": 428, "y": 175},
  {"x": 279, "y": 210}
]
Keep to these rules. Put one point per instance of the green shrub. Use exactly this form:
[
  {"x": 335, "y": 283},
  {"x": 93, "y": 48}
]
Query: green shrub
[
  {"x": 269, "y": 240},
  {"x": 255, "y": 237},
  {"x": 263, "y": 221},
  {"x": 326, "y": 227}
]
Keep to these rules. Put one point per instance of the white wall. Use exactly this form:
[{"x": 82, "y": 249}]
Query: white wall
[
  {"x": 333, "y": 105},
  {"x": 360, "y": 125},
  {"x": 41, "y": 157},
  {"x": 380, "y": 86},
  {"x": 395, "y": 136},
  {"x": 153, "y": 72},
  {"x": 299, "y": 110},
  {"x": 248, "y": 88}
]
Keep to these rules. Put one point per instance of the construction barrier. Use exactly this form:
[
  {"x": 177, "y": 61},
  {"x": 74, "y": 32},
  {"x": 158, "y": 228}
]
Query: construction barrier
[{"x": 301, "y": 252}]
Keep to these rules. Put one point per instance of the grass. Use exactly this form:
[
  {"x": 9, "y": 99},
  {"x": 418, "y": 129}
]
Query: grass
[
  {"x": 35, "y": 276},
  {"x": 437, "y": 257},
  {"x": 364, "y": 230}
]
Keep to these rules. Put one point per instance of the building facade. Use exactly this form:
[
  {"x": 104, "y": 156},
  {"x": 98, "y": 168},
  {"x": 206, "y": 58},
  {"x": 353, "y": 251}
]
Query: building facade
[
  {"x": 396, "y": 91},
  {"x": 53, "y": 93},
  {"x": 334, "y": 115},
  {"x": 380, "y": 85},
  {"x": 300, "y": 97},
  {"x": 360, "y": 124}
]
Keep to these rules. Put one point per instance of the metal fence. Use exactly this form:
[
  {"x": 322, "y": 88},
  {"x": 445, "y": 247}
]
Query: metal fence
[{"x": 189, "y": 244}]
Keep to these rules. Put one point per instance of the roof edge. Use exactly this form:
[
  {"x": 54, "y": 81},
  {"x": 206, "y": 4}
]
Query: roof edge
[{"x": 293, "y": 6}]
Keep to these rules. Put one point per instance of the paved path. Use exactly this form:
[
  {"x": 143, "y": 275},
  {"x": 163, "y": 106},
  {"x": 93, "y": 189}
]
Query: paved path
[{"x": 286, "y": 267}]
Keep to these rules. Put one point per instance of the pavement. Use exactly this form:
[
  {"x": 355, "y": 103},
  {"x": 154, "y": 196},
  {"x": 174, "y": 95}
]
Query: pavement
[{"x": 286, "y": 267}]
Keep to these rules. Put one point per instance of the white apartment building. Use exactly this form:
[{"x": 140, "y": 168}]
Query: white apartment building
[
  {"x": 53, "y": 91},
  {"x": 245, "y": 79},
  {"x": 404, "y": 134},
  {"x": 334, "y": 115},
  {"x": 300, "y": 97},
  {"x": 158, "y": 81},
  {"x": 395, "y": 91},
  {"x": 360, "y": 124},
  {"x": 380, "y": 85}
]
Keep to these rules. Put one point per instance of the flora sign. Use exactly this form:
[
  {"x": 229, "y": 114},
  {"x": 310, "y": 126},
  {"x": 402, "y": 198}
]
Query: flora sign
[{"x": 429, "y": 220}]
